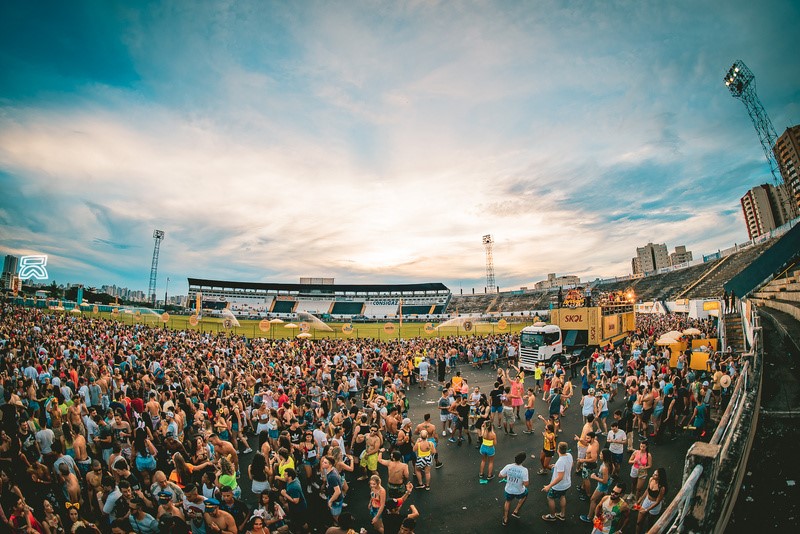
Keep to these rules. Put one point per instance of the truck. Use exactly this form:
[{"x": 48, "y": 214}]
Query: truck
[{"x": 574, "y": 333}]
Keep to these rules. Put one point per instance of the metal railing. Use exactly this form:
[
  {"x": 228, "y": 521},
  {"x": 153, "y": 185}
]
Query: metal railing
[
  {"x": 745, "y": 389},
  {"x": 672, "y": 518}
]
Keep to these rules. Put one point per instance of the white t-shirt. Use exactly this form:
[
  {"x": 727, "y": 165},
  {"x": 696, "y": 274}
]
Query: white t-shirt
[
  {"x": 588, "y": 406},
  {"x": 516, "y": 476},
  {"x": 423, "y": 367},
  {"x": 563, "y": 465},
  {"x": 619, "y": 435}
]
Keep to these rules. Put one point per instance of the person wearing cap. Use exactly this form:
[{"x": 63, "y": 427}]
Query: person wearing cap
[
  {"x": 141, "y": 522},
  {"x": 166, "y": 506},
  {"x": 218, "y": 521}
]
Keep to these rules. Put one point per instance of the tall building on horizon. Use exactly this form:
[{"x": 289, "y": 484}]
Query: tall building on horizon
[
  {"x": 787, "y": 153},
  {"x": 764, "y": 209},
  {"x": 10, "y": 268},
  {"x": 650, "y": 258}
]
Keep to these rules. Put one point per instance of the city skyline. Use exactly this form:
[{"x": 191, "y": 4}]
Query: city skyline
[{"x": 377, "y": 142}]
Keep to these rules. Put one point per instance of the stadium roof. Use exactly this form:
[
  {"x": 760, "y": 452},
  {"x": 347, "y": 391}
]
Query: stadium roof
[{"x": 325, "y": 288}]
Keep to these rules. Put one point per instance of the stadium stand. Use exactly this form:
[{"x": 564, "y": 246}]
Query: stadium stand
[
  {"x": 782, "y": 293},
  {"x": 283, "y": 306},
  {"x": 729, "y": 266},
  {"x": 378, "y": 301},
  {"x": 322, "y": 306},
  {"x": 468, "y": 304},
  {"x": 416, "y": 310},
  {"x": 381, "y": 309}
]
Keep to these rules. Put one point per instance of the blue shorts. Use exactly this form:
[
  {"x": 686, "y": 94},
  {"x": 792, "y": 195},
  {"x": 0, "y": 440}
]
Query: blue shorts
[
  {"x": 336, "y": 509},
  {"x": 497, "y": 409},
  {"x": 529, "y": 414},
  {"x": 556, "y": 494},
  {"x": 511, "y": 497},
  {"x": 488, "y": 451}
]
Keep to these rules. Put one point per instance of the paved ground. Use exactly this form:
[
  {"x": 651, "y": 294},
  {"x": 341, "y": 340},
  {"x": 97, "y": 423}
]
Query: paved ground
[
  {"x": 769, "y": 499},
  {"x": 457, "y": 501}
]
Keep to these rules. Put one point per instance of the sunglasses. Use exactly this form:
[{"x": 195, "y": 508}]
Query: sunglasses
[{"x": 616, "y": 493}]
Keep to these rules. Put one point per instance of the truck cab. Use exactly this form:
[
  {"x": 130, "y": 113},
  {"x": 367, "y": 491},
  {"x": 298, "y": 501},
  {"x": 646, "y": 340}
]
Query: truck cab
[{"x": 540, "y": 343}]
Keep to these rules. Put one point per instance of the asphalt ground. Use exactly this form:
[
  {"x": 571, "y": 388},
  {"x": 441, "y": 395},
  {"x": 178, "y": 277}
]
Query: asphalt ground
[{"x": 457, "y": 502}]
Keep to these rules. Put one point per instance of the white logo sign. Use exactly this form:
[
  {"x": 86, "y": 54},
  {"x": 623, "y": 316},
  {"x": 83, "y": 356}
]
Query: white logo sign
[{"x": 33, "y": 267}]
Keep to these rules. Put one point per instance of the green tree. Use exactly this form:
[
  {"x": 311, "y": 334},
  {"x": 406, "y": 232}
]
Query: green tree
[{"x": 53, "y": 291}]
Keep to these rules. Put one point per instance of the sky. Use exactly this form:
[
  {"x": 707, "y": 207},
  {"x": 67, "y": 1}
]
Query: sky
[{"x": 377, "y": 142}]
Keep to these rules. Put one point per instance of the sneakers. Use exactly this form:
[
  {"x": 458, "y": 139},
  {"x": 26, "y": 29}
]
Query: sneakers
[
  {"x": 512, "y": 433},
  {"x": 452, "y": 440},
  {"x": 444, "y": 432},
  {"x": 439, "y": 465},
  {"x": 490, "y": 477},
  {"x": 309, "y": 490},
  {"x": 248, "y": 450},
  {"x": 527, "y": 431}
]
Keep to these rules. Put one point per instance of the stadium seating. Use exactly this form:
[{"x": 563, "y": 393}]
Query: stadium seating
[
  {"x": 284, "y": 306},
  {"x": 319, "y": 306},
  {"x": 347, "y": 308},
  {"x": 380, "y": 311},
  {"x": 731, "y": 265},
  {"x": 416, "y": 310},
  {"x": 782, "y": 293}
]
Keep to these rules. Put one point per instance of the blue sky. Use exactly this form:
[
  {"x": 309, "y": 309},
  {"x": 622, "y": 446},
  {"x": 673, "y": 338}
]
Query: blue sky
[{"x": 378, "y": 141}]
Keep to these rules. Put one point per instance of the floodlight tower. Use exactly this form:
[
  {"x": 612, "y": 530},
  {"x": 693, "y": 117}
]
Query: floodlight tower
[
  {"x": 488, "y": 244},
  {"x": 741, "y": 82},
  {"x": 158, "y": 235}
]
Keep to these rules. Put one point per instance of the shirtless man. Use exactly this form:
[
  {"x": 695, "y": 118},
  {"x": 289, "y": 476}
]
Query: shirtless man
[
  {"x": 393, "y": 421},
  {"x": 370, "y": 459},
  {"x": 583, "y": 439},
  {"x": 224, "y": 448},
  {"x": 72, "y": 488},
  {"x": 566, "y": 395},
  {"x": 81, "y": 454},
  {"x": 398, "y": 474},
  {"x": 75, "y": 415},
  {"x": 218, "y": 521},
  {"x": 94, "y": 479},
  {"x": 166, "y": 506},
  {"x": 530, "y": 409},
  {"x": 588, "y": 464},
  {"x": 154, "y": 409}
]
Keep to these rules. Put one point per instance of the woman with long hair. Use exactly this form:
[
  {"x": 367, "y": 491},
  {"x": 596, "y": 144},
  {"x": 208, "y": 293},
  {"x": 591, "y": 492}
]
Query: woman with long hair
[
  {"x": 604, "y": 480},
  {"x": 143, "y": 451},
  {"x": 182, "y": 474},
  {"x": 488, "y": 440},
  {"x": 652, "y": 500},
  {"x": 226, "y": 476},
  {"x": 641, "y": 461},
  {"x": 259, "y": 472}
]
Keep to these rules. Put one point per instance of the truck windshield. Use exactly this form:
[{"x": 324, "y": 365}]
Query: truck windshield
[{"x": 533, "y": 340}]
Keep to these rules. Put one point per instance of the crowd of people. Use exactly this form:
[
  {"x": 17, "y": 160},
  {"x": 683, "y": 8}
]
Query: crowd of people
[{"x": 130, "y": 428}]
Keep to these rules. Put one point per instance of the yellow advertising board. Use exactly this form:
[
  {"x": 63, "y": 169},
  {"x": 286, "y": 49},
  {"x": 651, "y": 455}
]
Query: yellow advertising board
[
  {"x": 711, "y": 305},
  {"x": 571, "y": 318}
]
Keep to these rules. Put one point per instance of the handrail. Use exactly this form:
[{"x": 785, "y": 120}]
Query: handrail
[
  {"x": 736, "y": 396},
  {"x": 679, "y": 504}
]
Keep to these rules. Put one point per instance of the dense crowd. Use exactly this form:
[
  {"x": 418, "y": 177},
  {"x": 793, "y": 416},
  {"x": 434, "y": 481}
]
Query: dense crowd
[{"x": 129, "y": 428}]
